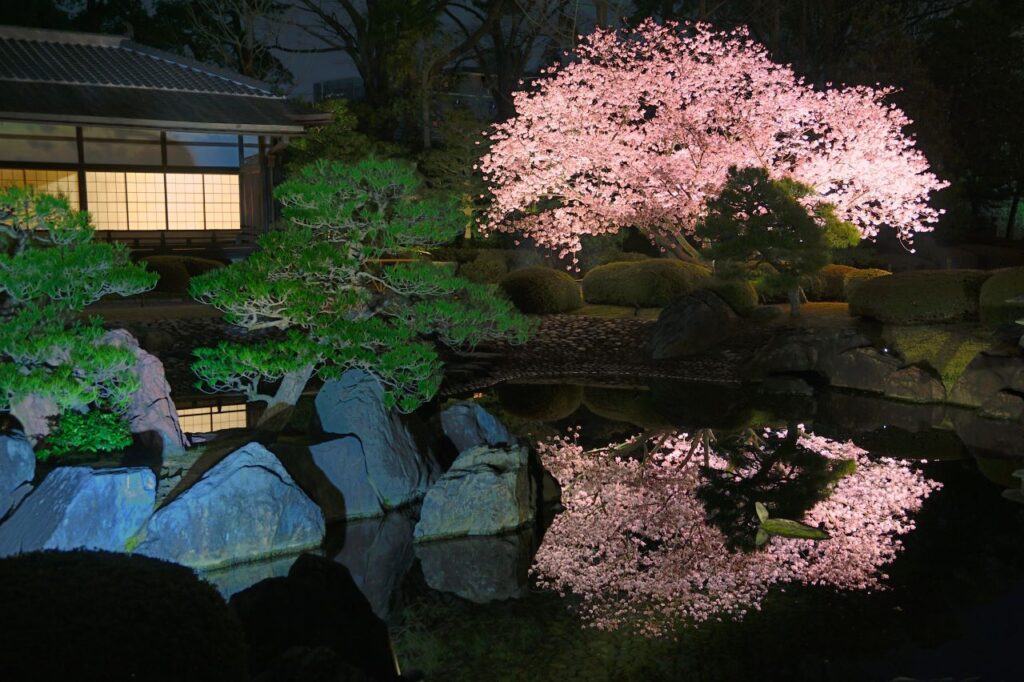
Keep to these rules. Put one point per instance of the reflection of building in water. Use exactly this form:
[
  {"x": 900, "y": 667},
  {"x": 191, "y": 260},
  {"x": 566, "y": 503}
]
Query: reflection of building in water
[{"x": 216, "y": 417}]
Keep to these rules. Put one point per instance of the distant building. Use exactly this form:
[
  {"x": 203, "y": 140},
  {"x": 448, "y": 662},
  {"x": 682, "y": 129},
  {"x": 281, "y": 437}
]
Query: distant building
[{"x": 163, "y": 151}]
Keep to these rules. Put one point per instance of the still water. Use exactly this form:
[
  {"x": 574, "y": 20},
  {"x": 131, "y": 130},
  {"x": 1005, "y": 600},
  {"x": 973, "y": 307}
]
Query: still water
[{"x": 713, "y": 534}]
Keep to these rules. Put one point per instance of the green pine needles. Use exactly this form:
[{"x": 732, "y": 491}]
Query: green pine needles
[
  {"x": 760, "y": 229},
  {"x": 349, "y": 284},
  {"x": 50, "y": 270}
]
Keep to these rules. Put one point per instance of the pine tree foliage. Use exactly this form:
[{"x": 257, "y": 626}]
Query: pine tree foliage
[{"x": 349, "y": 284}]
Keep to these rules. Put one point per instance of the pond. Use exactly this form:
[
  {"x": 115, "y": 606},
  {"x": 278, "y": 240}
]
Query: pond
[{"x": 657, "y": 564}]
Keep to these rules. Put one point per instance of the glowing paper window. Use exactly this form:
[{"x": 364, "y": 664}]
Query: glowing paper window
[
  {"x": 146, "y": 210},
  {"x": 222, "y": 204},
  {"x": 212, "y": 418},
  {"x": 62, "y": 182},
  {"x": 185, "y": 201},
  {"x": 108, "y": 200}
]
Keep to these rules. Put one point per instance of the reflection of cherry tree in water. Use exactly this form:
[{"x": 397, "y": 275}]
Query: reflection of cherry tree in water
[
  {"x": 634, "y": 541},
  {"x": 775, "y": 469}
]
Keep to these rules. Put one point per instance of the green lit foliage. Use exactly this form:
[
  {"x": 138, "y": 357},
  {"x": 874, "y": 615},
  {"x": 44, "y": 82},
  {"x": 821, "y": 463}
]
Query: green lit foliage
[
  {"x": 338, "y": 140},
  {"x": 350, "y": 284},
  {"x": 770, "y": 231},
  {"x": 90, "y": 432},
  {"x": 50, "y": 270}
]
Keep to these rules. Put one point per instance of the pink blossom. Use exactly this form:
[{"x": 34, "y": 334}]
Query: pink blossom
[
  {"x": 642, "y": 128},
  {"x": 634, "y": 544}
]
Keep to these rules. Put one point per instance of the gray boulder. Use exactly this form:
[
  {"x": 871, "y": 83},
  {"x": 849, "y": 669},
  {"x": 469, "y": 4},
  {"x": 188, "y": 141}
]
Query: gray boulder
[
  {"x": 486, "y": 492},
  {"x": 151, "y": 412},
  {"x": 35, "y": 414},
  {"x": 468, "y": 425},
  {"x": 691, "y": 324},
  {"x": 353, "y": 406},
  {"x": 986, "y": 375},
  {"x": 863, "y": 369},
  {"x": 915, "y": 385},
  {"x": 343, "y": 461},
  {"x": 244, "y": 508},
  {"x": 17, "y": 467},
  {"x": 480, "y": 569},
  {"x": 79, "y": 507}
]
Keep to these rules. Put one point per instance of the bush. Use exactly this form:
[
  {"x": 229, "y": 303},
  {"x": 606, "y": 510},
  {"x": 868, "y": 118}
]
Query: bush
[
  {"x": 177, "y": 271},
  {"x": 834, "y": 282},
  {"x": 920, "y": 297},
  {"x": 542, "y": 290},
  {"x": 740, "y": 294},
  {"x": 91, "y": 432},
  {"x": 1002, "y": 285},
  {"x": 111, "y": 616},
  {"x": 650, "y": 283},
  {"x": 454, "y": 254},
  {"x": 488, "y": 267}
]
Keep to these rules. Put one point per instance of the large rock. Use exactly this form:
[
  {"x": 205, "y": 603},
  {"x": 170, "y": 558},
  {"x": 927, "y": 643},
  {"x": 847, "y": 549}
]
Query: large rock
[
  {"x": 36, "y": 414},
  {"x": 345, "y": 464},
  {"x": 486, "y": 492},
  {"x": 691, "y": 324},
  {"x": 17, "y": 467},
  {"x": 986, "y": 375},
  {"x": 314, "y": 624},
  {"x": 468, "y": 425},
  {"x": 804, "y": 351},
  {"x": 378, "y": 553},
  {"x": 353, "y": 406},
  {"x": 480, "y": 569},
  {"x": 79, "y": 507},
  {"x": 915, "y": 385},
  {"x": 863, "y": 369},
  {"x": 246, "y": 507},
  {"x": 151, "y": 412}
]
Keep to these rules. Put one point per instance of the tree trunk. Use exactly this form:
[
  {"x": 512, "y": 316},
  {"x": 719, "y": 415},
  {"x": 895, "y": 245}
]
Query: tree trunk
[
  {"x": 280, "y": 406},
  {"x": 1011, "y": 220},
  {"x": 794, "y": 302}
]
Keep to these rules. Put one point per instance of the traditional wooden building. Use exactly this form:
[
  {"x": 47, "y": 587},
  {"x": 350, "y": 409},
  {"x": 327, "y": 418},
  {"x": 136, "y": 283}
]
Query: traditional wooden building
[{"x": 164, "y": 152}]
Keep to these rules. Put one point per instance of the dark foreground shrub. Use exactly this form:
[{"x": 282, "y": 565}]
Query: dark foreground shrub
[
  {"x": 102, "y": 616},
  {"x": 648, "y": 284},
  {"x": 1001, "y": 286},
  {"x": 542, "y": 291},
  {"x": 489, "y": 266},
  {"x": 920, "y": 297}
]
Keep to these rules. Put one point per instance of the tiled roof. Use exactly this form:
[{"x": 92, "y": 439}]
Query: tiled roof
[
  {"x": 40, "y": 56},
  {"x": 87, "y": 79}
]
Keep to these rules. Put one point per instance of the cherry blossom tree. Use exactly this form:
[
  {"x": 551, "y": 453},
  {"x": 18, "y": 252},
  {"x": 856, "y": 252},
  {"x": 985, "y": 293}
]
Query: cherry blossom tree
[
  {"x": 640, "y": 547},
  {"x": 642, "y": 128}
]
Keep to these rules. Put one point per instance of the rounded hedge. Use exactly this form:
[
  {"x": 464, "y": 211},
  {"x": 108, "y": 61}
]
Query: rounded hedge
[
  {"x": 920, "y": 296},
  {"x": 542, "y": 291},
  {"x": 488, "y": 267},
  {"x": 995, "y": 292},
  {"x": 835, "y": 282},
  {"x": 740, "y": 294},
  {"x": 104, "y": 616},
  {"x": 651, "y": 283},
  {"x": 176, "y": 271}
]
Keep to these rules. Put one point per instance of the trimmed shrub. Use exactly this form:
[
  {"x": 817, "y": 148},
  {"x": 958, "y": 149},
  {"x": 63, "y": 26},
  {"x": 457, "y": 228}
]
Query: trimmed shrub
[
  {"x": 488, "y": 267},
  {"x": 920, "y": 296},
  {"x": 542, "y": 290},
  {"x": 540, "y": 402},
  {"x": 177, "y": 271},
  {"x": 454, "y": 254},
  {"x": 834, "y": 282},
  {"x": 104, "y": 616},
  {"x": 651, "y": 283},
  {"x": 1002, "y": 285},
  {"x": 740, "y": 294}
]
